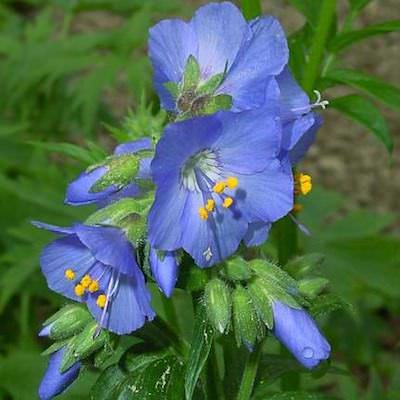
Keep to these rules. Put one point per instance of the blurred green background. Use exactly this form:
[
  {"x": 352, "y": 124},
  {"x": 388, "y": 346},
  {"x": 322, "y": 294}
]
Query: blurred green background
[{"x": 70, "y": 68}]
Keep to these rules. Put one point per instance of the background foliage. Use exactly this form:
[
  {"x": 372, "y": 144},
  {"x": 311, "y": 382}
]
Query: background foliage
[{"x": 69, "y": 69}]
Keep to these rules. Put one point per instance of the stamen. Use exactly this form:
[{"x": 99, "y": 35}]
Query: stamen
[
  {"x": 86, "y": 281},
  {"x": 69, "y": 274},
  {"x": 203, "y": 213},
  {"x": 232, "y": 182},
  {"x": 208, "y": 254},
  {"x": 228, "y": 201},
  {"x": 94, "y": 286},
  {"x": 101, "y": 301},
  {"x": 79, "y": 290},
  {"x": 303, "y": 184},
  {"x": 210, "y": 205},
  {"x": 219, "y": 187}
]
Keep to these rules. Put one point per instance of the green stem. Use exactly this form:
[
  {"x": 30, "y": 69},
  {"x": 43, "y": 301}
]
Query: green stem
[
  {"x": 170, "y": 313},
  {"x": 326, "y": 15},
  {"x": 286, "y": 237},
  {"x": 249, "y": 373},
  {"x": 251, "y": 8}
]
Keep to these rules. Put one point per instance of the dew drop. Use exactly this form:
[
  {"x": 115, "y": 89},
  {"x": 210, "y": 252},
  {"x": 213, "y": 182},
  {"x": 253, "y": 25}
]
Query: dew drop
[{"x": 308, "y": 352}]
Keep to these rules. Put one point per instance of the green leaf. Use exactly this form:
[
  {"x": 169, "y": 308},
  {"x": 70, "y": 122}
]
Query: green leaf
[
  {"x": 365, "y": 113},
  {"x": 357, "y": 5},
  {"x": 77, "y": 152},
  {"x": 346, "y": 39},
  {"x": 300, "y": 396},
  {"x": 109, "y": 384},
  {"x": 377, "y": 88},
  {"x": 200, "y": 349},
  {"x": 251, "y": 8},
  {"x": 309, "y": 8}
]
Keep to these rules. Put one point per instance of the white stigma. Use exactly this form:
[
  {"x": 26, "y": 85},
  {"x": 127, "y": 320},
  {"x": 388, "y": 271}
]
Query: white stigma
[
  {"x": 208, "y": 254},
  {"x": 318, "y": 103}
]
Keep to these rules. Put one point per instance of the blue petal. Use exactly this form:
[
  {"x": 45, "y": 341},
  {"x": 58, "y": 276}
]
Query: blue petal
[
  {"x": 134, "y": 146},
  {"x": 257, "y": 233},
  {"x": 79, "y": 190},
  {"x": 54, "y": 382},
  {"x": 164, "y": 270},
  {"x": 145, "y": 168},
  {"x": 268, "y": 195},
  {"x": 250, "y": 140},
  {"x": 131, "y": 190},
  {"x": 295, "y": 101},
  {"x": 172, "y": 151},
  {"x": 293, "y": 131},
  {"x": 300, "y": 334},
  {"x": 130, "y": 305},
  {"x": 171, "y": 43},
  {"x": 65, "y": 253},
  {"x": 264, "y": 53},
  {"x": 305, "y": 142},
  {"x": 109, "y": 246},
  {"x": 220, "y": 30},
  {"x": 54, "y": 228},
  {"x": 215, "y": 239}
]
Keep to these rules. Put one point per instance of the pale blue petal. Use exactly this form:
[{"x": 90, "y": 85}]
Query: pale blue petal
[
  {"x": 164, "y": 270},
  {"x": 134, "y": 146},
  {"x": 257, "y": 233}
]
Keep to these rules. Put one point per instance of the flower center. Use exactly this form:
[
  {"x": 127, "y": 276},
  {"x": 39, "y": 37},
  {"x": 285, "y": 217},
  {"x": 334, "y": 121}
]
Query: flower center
[{"x": 200, "y": 170}]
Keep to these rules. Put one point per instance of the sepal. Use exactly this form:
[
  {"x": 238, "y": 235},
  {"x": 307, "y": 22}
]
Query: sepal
[
  {"x": 248, "y": 327},
  {"x": 218, "y": 303},
  {"x": 67, "y": 322}
]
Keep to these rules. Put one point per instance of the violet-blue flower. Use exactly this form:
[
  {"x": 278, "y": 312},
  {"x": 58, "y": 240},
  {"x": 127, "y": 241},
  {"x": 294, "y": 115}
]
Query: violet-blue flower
[
  {"x": 227, "y": 60},
  {"x": 97, "y": 265},
  {"x": 54, "y": 382},
  {"x": 116, "y": 178},
  {"x": 164, "y": 268},
  {"x": 300, "y": 334},
  {"x": 214, "y": 176}
]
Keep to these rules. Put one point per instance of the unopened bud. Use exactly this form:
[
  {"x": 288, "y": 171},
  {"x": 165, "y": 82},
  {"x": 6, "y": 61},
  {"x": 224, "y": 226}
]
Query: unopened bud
[
  {"x": 67, "y": 322},
  {"x": 218, "y": 304},
  {"x": 248, "y": 327},
  {"x": 262, "y": 301},
  {"x": 236, "y": 269},
  {"x": 312, "y": 287}
]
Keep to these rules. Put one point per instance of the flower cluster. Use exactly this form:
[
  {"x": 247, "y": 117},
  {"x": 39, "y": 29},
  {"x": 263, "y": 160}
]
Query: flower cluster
[{"x": 220, "y": 175}]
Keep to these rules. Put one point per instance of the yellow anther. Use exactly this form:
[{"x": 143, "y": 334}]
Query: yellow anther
[
  {"x": 203, "y": 213},
  {"x": 232, "y": 182},
  {"x": 79, "y": 290},
  {"x": 101, "y": 300},
  {"x": 303, "y": 184},
  {"x": 210, "y": 205},
  {"x": 86, "y": 281},
  {"x": 219, "y": 187},
  {"x": 69, "y": 274},
  {"x": 94, "y": 286},
  {"x": 297, "y": 208},
  {"x": 228, "y": 201}
]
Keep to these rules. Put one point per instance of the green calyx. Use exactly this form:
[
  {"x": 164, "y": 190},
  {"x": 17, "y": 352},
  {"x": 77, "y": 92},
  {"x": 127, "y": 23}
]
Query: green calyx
[
  {"x": 128, "y": 214},
  {"x": 195, "y": 97},
  {"x": 121, "y": 170}
]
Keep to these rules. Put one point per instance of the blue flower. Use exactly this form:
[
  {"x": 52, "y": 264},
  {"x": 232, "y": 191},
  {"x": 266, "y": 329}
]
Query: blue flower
[
  {"x": 164, "y": 268},
  {"x": 84, "y": 190},
  {"x": 300, "y": 124},
  {"x": 214, "y": 176},
  {"x": 54, "y": 382},
  {"x": 230, "y": 57},
  {"x": 97, "y": 265},
  {"x": 300, "y": 334}
]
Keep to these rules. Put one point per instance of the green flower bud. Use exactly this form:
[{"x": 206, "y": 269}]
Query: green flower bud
[
  {"x": 262, "y": 301},
  {"x": 67, "y": 322},
  {"x": 236, "y": 269},
  {"x": 312, "y": 287},
  {"x": 248, "y": 327},
  {"x": 218, "y": 304},
  {"x": 121, "y": 170},
  {"x": 303, "y": 265}
]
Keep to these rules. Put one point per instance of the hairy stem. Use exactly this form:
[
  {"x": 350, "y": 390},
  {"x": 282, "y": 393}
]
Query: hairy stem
[{"x": 249, "y": 373}]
